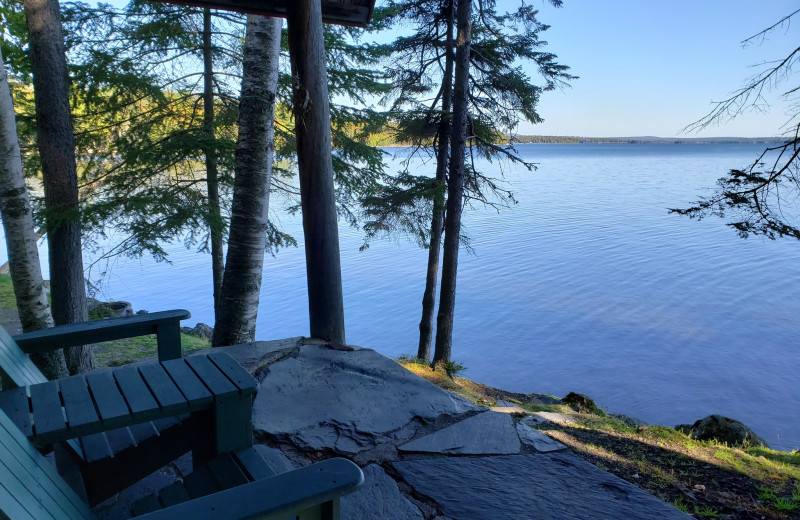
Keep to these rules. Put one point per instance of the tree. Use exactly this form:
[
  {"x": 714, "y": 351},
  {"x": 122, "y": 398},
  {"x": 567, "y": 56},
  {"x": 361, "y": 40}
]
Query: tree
[
  {"x": 20, "y": 234},
  {"x": 499, "y": 95},
  {"x": 761, "y": 198},
  {"x": 455, "y": 184},
  {"x": 241, "y": 285},
  {"x": 59, "y": 174}
]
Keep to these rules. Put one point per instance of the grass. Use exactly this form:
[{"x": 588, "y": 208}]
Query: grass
[
  {"x": 706, "y": 479},
  {"x": 111, "y": 353}
]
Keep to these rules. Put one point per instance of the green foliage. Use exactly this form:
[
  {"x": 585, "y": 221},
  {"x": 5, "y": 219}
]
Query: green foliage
[
  {"x": 500, "y": 96},
  {"x": 452, "y": 368}
]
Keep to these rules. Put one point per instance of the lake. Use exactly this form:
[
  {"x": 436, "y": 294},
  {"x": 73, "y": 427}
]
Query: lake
[{"x": 587, "y": 285}]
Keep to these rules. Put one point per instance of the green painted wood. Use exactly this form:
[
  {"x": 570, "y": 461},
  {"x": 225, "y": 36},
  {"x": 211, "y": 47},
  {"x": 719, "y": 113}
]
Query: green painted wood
[
  {"x": 240, "y": 377},
  {"x": 173, "y": 494},
  {"x": 35, "y": 483},
  {"x": 15, "y": 404},
  {"x": 233, "y": 422},
  {"x": 97, "y": 331},
  {"x": 226, "y": 472},
  {"x": 15, "y": 364},
  {"x": 168, "y": 395},
  {"x": 110, "y": 404},
  {"x": 48, "y": 415},
  {"x": 253, "y": 464},
  {"x": 215, "y": 381},
  {"x": 143, "y": 431},
  {"x": 168, "y": 338},
  {"x": 119, "y": 439},
  {"x": 165, "y": 423},
  {"x": 95, "y": 447},
  {"x": 78, "y": 403},
  {"x": 190, "y": 385},
  {"x": 135, "y": 391},
  {"x": 277, "y": 498},
  {"x": 200, "y": 482}
]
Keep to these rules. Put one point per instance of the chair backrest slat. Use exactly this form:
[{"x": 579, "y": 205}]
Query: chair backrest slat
[
  {"x": 30, "y": 487},
  {"x": 15, "y": 364}
]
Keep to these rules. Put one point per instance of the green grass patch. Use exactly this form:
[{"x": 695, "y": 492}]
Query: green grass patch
[
  {"x": 7, "y": 298},
  {"x": 123, "y": 351}
]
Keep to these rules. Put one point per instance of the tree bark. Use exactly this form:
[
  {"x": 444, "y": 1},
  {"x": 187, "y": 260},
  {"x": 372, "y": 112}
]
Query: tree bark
[
  {"x": 23, "y": 255},
  {"x": 212, "y": 178},
  {"x": 241, "y": 285},
  {"x": 455, "y": 186},
  {"x": 317, "y": 196},
  {"x": 437, "y": 219},
  {"x": 56, "y": 144}
]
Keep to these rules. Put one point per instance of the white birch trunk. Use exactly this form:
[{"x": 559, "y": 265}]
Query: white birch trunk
[{"x": 23, "y": 256}]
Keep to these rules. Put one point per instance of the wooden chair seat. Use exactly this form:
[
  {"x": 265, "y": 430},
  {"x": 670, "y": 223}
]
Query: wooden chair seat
[
  {"x": 232, "y": 486},
  {"x": 99, "y": 456}
]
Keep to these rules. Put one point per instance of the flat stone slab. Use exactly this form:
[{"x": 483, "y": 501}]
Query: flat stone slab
[
  {"x": 379, "y": 497},
  {"x": 537, "y": 439},
  {"x": 483, "y": 434},
  {"x": 556, "y": 486},
  {"x": 348, "y": 401}
]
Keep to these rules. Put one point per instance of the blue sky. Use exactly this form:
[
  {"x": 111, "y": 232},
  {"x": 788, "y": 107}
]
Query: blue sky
[{"x": 652, "y": 67}]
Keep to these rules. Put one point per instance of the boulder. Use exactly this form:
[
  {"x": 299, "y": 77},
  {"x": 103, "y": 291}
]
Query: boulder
[
  {"x": 110, "y": 309},
  {"x": 201, "y": 330},
  {"x": 722, "y": 429}
]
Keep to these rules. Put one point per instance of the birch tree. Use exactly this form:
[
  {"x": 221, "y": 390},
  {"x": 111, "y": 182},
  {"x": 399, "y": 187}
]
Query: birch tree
[
  {"x": 23, "y": 255},
  {"x": 241, "y": 284}
]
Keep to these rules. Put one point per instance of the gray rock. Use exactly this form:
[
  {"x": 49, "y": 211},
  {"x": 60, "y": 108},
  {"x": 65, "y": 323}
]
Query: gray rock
[
  {"x": 557, "y": 486},
  {"x": 117, "y": 308},
  {"x": 722, "y": 429},
  {"x": 484, "y": 434},
  {"x": 346, "y": 400},
  {"x": 540, "y": 442},
  {"x": 201, "y": 330},
  {"x": 256, "y": 357},
  {"x": 379, "y": 497},
  {"x": 633, "y": 422}
]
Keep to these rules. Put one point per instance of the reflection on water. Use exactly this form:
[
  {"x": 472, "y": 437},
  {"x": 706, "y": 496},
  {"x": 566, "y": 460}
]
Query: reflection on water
[{"x": 586, "y": 285}]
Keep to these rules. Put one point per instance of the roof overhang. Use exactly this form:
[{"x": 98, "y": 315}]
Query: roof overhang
[{"x": 342, "y": 12}]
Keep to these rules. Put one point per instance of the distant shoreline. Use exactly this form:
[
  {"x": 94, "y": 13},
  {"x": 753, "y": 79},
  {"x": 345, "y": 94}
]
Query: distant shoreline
[{"x": 559, "y": 139}]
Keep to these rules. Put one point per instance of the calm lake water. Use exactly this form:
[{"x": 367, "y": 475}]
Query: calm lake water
[{"x": 586, "y": 285}]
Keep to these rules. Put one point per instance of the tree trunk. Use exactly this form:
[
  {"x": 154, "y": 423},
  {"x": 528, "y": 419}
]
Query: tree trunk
[
  {"x": 55, "y": 140},
  {"x": 212, "y": 180},
  {"x": 23, "y": 256},
  {"x": 455, "y": 186},
  {"x": 241, "y": 285},
  {"x": 317, "y": 196},
  {"x": 429, "y": 296}
]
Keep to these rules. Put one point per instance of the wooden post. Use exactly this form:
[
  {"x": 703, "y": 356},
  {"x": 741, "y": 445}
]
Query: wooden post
[{"x": 317, "y": 199}]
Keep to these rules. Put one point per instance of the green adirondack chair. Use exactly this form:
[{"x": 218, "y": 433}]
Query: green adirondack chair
[
  {"x": 31, "y": 489},
  {"x": 98, "y": 458}
]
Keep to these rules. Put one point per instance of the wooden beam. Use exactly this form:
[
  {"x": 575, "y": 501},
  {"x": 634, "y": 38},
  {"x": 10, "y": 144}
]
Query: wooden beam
[{"x": 317, "y": 198}]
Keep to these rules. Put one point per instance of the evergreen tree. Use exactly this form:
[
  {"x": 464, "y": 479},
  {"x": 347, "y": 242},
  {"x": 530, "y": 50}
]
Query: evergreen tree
[
  {"x": 55, "y": 140},
  {"x": 761, "y": 197},
  {"x": 499, "y": 95}
]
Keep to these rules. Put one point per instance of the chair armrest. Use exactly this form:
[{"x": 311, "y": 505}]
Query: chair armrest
[
  {"x": 165, "y": 324},
  {"x": 276, "y": 497}
]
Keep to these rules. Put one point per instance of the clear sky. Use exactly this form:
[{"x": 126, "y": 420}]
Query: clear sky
[{"x": 651, "y": 67}]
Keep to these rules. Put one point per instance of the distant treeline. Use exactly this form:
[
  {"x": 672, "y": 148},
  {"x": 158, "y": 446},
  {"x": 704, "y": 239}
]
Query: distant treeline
[{"x": 568, "y": 139}]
